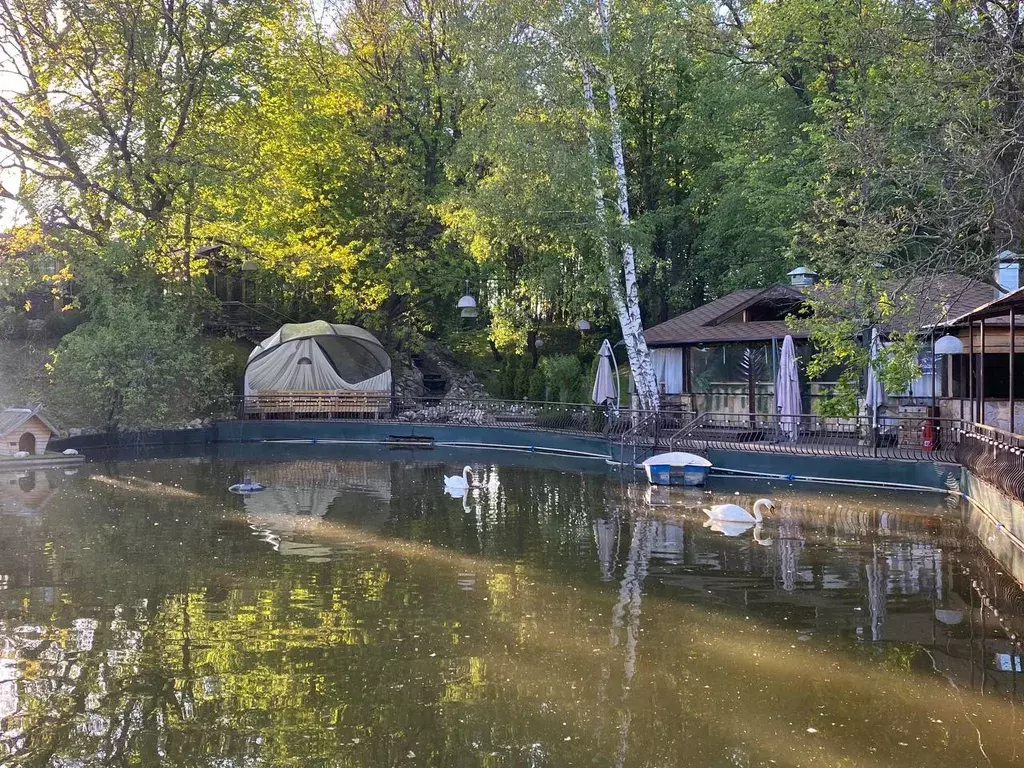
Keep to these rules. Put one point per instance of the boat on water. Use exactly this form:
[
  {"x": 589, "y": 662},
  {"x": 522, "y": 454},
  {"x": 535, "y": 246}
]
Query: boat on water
[{"x": 676, "y": 468}]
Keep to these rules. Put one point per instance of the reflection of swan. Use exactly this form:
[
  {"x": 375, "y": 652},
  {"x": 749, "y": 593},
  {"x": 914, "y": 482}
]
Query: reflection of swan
[
  {"x": 736, "y": 527},
  {"x": 758, "y": 539},
  {"x": 733, "y": 513},
  {"x": 729, "y": 527},
  {"x": 456, "y": 485}
]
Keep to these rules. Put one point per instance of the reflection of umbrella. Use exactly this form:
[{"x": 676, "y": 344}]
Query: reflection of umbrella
[
  {"x": 606, "y": 534},
  {"x": 605, "y": 390},
  {"x": 875, "y": 570},
  {"x": 875, "y": 396},
  {"x": 787, "y": 389},
  {"x": 791, "y": 544}
]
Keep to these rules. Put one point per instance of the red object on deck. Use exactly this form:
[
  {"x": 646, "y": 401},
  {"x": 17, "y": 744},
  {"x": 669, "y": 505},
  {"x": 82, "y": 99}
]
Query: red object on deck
[{"x": 928, "y": 435}]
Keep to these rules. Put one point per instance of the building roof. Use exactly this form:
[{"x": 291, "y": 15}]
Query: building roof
[
  {"x": 13, "y": 418},
  {"x": 931, "y": 299},
  {"x": 705, "y": 324},
  {"x": 997, "y": 308}
]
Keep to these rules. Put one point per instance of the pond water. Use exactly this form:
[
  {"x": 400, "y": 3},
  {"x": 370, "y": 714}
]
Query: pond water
[{"x": 351, "y": 614}]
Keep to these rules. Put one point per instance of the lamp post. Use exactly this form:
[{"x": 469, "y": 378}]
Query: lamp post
[{"x": 945, "y": 345}]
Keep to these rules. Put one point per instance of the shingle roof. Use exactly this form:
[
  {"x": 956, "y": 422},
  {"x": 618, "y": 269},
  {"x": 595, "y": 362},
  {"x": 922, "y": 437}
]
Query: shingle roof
[
  {"x": 703, "y": 324},
  {"x": 12, "y": 418},
  {"x": 931, "y": 300}
]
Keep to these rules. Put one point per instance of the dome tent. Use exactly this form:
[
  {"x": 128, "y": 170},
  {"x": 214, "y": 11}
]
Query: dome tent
[{"x": 318, "y": 357}]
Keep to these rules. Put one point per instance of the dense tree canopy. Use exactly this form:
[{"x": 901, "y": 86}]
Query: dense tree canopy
[{"x": 371, "y": 156}]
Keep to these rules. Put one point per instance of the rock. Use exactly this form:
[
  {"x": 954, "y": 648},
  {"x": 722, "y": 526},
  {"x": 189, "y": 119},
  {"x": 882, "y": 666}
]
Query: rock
[
  {"x": 75, "y": 432},
  {"x": 70, "y": 452},
  {"x": 195, "y": 424},
  {"x": 21, "y": 454}
]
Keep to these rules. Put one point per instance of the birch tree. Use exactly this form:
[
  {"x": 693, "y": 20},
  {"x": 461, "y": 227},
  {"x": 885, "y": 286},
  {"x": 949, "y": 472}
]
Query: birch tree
[{"x": 632, "y": 322}]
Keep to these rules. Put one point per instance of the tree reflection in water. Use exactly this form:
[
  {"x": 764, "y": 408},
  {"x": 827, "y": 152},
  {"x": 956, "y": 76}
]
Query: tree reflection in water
[{"x": 355, "y": 616}]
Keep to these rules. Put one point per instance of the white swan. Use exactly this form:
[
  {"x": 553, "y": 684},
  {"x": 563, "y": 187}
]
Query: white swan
[
  {"x": 455, "y": 485},
  {"x": 733, "y": 513}
]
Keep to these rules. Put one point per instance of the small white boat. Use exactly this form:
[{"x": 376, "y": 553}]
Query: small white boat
[{"x": 676, "y": 468}]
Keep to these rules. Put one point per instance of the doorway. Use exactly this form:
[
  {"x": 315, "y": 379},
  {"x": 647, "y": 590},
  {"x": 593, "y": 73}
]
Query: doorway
[{"x": 27, "y": 443}]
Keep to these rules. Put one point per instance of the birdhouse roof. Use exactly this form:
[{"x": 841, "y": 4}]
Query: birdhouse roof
[{"x": 14, "y": 418}]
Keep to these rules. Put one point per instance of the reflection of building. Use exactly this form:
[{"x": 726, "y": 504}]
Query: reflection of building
[
  {"x": 300, "y": 494},
  {"x": 27, "y": 492}
]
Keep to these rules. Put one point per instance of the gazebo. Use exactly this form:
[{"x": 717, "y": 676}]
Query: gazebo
[{"x": 318, "y": 370}]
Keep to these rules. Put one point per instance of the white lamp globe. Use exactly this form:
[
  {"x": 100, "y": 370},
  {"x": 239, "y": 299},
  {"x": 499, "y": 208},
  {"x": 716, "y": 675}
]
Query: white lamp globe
[{"x": 949, "y": 345}]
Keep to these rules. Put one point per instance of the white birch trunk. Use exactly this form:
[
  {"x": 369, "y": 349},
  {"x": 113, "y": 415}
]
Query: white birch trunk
[
  {"x": 628, "y": 312},
  {"x": 640, "y": 357}
]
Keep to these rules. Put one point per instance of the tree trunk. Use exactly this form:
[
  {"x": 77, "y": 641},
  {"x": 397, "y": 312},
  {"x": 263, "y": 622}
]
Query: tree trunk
[
  {"x": 632, "y": 329},
  {"x": 640, "y": 355}
]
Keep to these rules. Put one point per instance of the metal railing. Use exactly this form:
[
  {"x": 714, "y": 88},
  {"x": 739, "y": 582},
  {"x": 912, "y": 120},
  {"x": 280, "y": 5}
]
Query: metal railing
[
  {"x": 893, "y": 437},
  {"x": 995, "y": 456},
  {"x": 573, "y": 418}
]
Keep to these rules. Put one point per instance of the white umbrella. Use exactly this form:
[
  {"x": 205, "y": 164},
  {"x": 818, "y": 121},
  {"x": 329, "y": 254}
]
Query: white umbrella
[
  {"x": 787, "y": 390},
  {"x": 605, "y": 389},
  {"x": 874, "y": 398}
]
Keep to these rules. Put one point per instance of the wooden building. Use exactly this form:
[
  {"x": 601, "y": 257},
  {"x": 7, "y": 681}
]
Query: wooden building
[
  {"x": 702, "y": 358},
  {"x": 24, "y": 429}
]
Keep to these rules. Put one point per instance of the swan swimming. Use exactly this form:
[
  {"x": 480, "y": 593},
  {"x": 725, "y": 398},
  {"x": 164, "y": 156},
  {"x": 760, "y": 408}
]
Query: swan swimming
[
  {"x": 734, "y": 513},
  {"x": 455, "y": 485}
]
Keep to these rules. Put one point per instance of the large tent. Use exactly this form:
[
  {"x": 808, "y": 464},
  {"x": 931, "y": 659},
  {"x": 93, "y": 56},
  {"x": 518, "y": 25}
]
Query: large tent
[{"x": 318, "y": 357}]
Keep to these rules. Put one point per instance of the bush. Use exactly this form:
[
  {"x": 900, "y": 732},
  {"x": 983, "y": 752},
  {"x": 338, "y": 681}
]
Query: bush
[
  {"x": 14, "y": 325},
  {"x": 537, "y": 388},
  {"x": 523, "y": 373},
  {"x": 60, "y": 324},
  {"x": 565, "y": 376},
  {"x": 136, "y": 366}
]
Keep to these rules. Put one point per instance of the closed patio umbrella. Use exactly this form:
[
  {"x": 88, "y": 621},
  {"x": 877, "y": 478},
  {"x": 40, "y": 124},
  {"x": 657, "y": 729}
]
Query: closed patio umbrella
[
  {"x": 874, "y": 398},
  {"x": 787, "y": 390},
  {"x": 605, "y": 390}
]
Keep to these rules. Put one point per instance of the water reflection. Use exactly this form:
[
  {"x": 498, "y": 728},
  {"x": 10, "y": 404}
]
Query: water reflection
[{"x": 351, "y": 614}]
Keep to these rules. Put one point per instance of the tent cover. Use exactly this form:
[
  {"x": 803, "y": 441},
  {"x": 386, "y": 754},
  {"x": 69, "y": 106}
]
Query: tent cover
[{"x": 318, "y": 357}]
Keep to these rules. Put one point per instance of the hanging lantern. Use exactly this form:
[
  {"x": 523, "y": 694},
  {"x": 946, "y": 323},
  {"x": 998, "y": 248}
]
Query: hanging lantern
[
  {"x": 582, "y": 325},
  {"x": 467, "y": 302},
  {"x": 949, "y": 345}
]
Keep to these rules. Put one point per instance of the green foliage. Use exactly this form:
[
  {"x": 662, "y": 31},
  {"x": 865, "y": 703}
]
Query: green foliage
[
  {"x": 564, "y": 376},
  {"x": 135, "y": 366},
  {"x": 537, "y": 388},
  {"x": 372, "y": 165}
]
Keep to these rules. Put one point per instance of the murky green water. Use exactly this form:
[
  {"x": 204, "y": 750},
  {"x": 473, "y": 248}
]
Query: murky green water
[{"x": 353, "y": 615}]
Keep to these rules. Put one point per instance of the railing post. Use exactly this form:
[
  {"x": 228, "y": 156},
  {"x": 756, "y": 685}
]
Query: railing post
[{"x": 1013, "y": 323}]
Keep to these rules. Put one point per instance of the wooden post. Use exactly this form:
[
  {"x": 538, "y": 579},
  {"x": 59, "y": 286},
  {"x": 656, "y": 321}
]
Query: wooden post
[
  {"x": 1013, "y": 323},
  {"x": 935, "y": 373},
  {"x": 981, "y": 372},
  {"x": 970, "y": 367}
]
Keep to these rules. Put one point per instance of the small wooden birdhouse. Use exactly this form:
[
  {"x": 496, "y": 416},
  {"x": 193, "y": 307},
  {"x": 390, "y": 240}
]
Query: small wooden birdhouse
[{"x": 24, "y": 429}]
